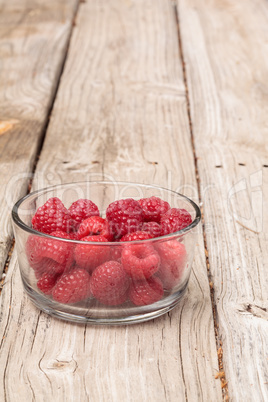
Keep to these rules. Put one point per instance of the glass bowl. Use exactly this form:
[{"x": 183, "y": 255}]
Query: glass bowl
[{"x": 141, "y": 299}]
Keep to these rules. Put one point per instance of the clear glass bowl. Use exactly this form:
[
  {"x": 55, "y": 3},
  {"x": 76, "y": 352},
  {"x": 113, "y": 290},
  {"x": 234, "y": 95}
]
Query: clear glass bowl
[{"x": 174, "y": 251}]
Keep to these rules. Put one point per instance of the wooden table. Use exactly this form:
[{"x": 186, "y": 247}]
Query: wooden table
[{"x": 173, "y": 93}]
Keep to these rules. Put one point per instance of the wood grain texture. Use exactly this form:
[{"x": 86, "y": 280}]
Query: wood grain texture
[
  {"x": 225, "y": 53},
  {"x": 120, "y": 113},
  {"x": 33, "y": 40}
]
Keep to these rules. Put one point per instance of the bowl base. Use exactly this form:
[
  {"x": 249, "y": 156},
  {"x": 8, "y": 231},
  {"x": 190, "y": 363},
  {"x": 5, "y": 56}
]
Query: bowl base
[{"x": 119, "y": 316}]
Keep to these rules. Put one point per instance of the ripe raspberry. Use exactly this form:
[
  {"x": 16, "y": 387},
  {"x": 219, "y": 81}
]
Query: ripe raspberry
[
  {"x": 54, "y": 267},
  {"x": 73, "y": 236},
  {"x": 61, "y": 234},
  {"x": 153, "y": 228},
  {"x": 173, "y": 261},
  {"x": 89, "y": 256},
  {"x": 153, "y": 208},
  {"x": 41, "y": 267},
  {"x": 115, "y": 253},
  {"x": 50, "y": 267},
  {"x": 47, "y": 282},
  {"x": 135, "y": 236},
  {"x": 95, "y": 225},
  {"x": 52, "y": 216},
  {"x": 146, "y": 292},
  {"x": 114, "y": 301},
  {"x": 41, "y": 249},
  {"x": 173, "y": 220},
  {"x": 31, "y": 248},
  {"x": 81, "y": 210},
  {"x": 109, "y": 283},
  {"x": 72, "y": 287},
  {"x": 124, "y": 216},
  {"x": 140, "y": 260}
]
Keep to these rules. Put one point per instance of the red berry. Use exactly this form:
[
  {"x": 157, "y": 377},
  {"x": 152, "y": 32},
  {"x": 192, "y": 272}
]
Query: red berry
[
  {"x": 52, "y": 216},
  {"x": 95, "y": 225},
  {"x": 109, "y": 283},
  {"x": 140, "y": 260},
  {"x": 135, "y": 236},
  {"x": 47, "y": 282},
  {"x": 81, "y": 210},
  {"x": 72, "y": 287},
  {"x": 41, "y": 267},
  {"x": 115, "y": 253},
  {"x": 114, "y": 301},
  {"x": 46, "y": 265},
  {"x": 124, "y": 216},
  {"x": 61, "y": 234},
  {"x": 153, "y": 208},
  {"x": 54, "y": 267},
  {"x": 174, "y": 220},
  {"x": 153, "y": 228},
  {"x": 89, "y": 256},
  {"x": 146, "y": 292},
  {"x": 173, "y": 261},
  {"x": 40, "y": 249},
  {"x": 73, "y": 236},
  {"x": 31, "y": 247}
]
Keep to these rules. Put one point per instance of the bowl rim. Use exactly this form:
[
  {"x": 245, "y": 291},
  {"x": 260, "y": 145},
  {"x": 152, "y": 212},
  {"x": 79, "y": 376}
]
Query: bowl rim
[{"x": 18, "y": 221}]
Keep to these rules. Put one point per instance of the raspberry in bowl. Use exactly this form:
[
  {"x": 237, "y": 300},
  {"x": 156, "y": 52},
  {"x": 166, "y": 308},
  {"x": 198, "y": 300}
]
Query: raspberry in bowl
[{"x": 105, "y": 252}]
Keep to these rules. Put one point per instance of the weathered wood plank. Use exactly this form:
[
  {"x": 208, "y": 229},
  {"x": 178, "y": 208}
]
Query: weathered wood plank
[
  {"x": 120, "y": 113},
  {"x": 225, "y": 51},
  {"x": 33, "y": 40}
]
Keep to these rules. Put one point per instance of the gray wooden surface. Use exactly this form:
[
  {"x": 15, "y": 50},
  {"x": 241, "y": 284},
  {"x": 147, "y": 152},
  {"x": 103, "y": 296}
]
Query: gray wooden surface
[
  {"x": 170, "y": 93},
  {"x": 33, "y": 41},
  {"x": 231, "y": 142}
]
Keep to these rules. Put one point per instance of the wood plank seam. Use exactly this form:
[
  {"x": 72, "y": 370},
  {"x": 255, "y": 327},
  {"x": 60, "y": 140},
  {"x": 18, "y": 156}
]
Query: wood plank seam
[
  {"x": 221, "y": 373},
  {"x": 42, "y": 138},
  {"x": 53, "y": 98},
  {"x": 6, "y": 265}
]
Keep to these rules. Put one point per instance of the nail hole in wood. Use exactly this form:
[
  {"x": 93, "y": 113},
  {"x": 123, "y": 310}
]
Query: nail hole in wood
[
  {"x": 265, "y": 166},
  {"x": 241, "y": 164},
  {"x": 65, "y": 162},
  {"x": 218, "y": 166}
]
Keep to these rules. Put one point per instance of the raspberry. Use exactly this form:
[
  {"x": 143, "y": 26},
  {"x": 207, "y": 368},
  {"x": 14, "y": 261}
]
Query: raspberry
[
  {"x": 134, "y": 236},
  {"x": 174, "y": 220},
  {"x": 61, "y": 234},
  {"x": 52, "y": 216},
  {"x": 73, "y": 236},
  {"x": 50, "y": 267},
  {"x": 140, "y": 260},
  {"x": 173, "y": 261},
  {"x": 41, "y": 267},
  {"x": 124, "y": 216},
  {"x": 47, "y": 282},
  {"x": 115, "y": 253},
  {"x": 95, "y": 225},
  {"x": 114, "y": 301},
  {"x": 47, "y": 265},
  {"x": 153, "y": 228},
  {"x": 89, "y": 256},
  {"x": 34, "y": 257},
  {"x": 41, "y": 249},
  {"x": 109, "y": 283},
  {"x": 153, "y": 208},
  {"x": 72, "y": 287},
  {"x": 54, "y": 268},
  {"x": 146, "y": 292},
  {"x": 81, "y": 210}
]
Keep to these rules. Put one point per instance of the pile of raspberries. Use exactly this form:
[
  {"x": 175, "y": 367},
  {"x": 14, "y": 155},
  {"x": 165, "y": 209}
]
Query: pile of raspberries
[{"x": 138, "y": 271}]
